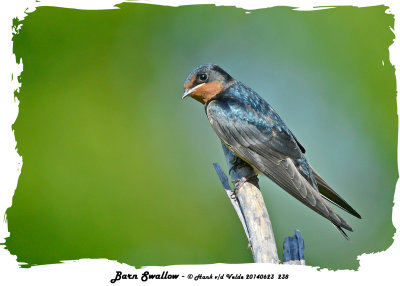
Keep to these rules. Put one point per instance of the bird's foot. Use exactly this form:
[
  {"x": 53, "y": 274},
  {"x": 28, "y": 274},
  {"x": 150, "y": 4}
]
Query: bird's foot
[{"x": 239, "y": 183}]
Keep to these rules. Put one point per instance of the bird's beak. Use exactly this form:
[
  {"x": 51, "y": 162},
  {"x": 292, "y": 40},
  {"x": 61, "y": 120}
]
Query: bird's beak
[{"x": 190, "y": 90}]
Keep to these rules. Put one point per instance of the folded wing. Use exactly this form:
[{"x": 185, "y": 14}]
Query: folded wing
[{"x": 258, "y": 136}]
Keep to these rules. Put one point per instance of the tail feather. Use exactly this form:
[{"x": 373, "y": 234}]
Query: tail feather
[
  {"x": 330, "y": 195},
  {"x": 342, "y": 232}
]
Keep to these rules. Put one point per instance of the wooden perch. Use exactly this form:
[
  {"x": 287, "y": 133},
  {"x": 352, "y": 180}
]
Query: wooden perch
[
  {"x": 293, "y": 249},
  {"x": 232, "y": 197},
  {"x": 249, "y": 204},
  {"x": 251, "y": 208}
]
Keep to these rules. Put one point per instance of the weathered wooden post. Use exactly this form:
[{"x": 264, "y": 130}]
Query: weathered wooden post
[
  {"x": 249, "y": 204},
  {"x": 293, "y": 249}
]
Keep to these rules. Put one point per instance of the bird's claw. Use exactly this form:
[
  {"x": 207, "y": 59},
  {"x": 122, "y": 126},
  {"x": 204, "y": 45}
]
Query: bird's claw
[{"x": 239, "y": 183}]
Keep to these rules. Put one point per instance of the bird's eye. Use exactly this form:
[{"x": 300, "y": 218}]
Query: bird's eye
[{"x": 203, "y": 77}]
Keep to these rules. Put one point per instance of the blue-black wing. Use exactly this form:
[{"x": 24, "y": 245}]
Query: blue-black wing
[{"x": 258, "y": 136}]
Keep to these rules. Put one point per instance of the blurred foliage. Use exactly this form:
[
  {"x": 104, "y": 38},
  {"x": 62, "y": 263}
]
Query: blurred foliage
[{"x": 117, "y": 166}]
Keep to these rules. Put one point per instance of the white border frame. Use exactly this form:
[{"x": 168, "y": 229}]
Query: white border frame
[{"x": 374, "y": 268}]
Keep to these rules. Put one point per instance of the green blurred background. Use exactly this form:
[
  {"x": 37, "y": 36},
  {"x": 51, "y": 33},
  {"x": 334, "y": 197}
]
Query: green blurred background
[{"x": 117, "y": 166}]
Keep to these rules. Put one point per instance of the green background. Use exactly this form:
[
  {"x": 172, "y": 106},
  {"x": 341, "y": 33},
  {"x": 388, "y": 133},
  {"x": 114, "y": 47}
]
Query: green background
[{"x": 117, "y": 166}]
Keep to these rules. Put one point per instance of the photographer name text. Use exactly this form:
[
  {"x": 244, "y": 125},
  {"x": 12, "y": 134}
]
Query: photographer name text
[{"x": 145, "y": 276}]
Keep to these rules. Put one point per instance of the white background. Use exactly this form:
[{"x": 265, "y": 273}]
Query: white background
[{"x": 374, "y": 268}]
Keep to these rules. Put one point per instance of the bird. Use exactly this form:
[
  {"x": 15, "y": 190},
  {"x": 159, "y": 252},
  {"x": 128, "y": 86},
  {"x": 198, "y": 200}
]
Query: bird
[{"x": 254, "y": 131}]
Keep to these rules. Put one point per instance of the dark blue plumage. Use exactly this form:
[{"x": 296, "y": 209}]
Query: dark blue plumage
[
  {"x": 252, "y": 129},
  {"x": 243, "y": 106}
]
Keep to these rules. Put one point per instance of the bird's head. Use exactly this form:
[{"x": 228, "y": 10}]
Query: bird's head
[{"x": 206, "y": 81}]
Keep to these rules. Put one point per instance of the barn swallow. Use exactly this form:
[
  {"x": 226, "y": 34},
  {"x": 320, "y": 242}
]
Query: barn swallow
[{"x": 252, "y": 129}]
